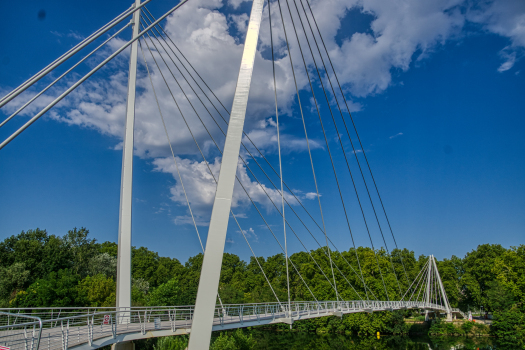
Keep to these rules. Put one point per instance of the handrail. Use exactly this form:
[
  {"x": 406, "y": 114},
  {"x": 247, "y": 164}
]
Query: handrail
[
  {"x": 85, "y": 325},
  {"x": 38, "y": 321}
]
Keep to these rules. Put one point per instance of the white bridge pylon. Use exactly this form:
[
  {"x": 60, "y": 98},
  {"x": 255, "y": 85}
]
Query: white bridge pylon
[{"x": 211, "y": 266}]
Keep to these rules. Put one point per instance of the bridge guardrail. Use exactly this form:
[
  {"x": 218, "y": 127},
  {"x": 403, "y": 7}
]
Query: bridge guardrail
[
  {"x": 77, "y": 326},
  {"x": 17, "y": 332}
]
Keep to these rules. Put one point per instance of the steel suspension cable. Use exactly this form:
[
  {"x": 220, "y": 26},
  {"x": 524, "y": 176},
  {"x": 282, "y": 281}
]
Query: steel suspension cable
[
  {"x": 279, "y": 151},
  {"x": 171, "y": 148},
  {"x": 173, "y": 155},
  {"x": 359, "y": 139},
  {"x": 257, "y": 260},
  {"x": 227, "y": 111},
  {"x": 322, "y": 127},
  {"x": 415, "y": 279},
  {"x": 84, "y": 78},
  {"x": 309, "y": 152},
  {"x": 207, "y": 164},
  {"x": 262, "y": 187},
  {"x": 246, "y": 135},
  {"x": 218, "y": 148},
  {"x": 425, "y": 280},
  {"x": 21, "y": 88},
  {"x": 61, "y": 76},
  {"x": 339, "y": 135}
]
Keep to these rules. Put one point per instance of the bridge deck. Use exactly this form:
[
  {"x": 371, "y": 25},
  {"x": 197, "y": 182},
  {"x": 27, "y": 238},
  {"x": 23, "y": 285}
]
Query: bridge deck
[{"x": 90, "y": 329}]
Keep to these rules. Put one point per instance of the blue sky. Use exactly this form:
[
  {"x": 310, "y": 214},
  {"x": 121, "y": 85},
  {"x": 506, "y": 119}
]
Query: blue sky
[{"x": 436, "y": 92}]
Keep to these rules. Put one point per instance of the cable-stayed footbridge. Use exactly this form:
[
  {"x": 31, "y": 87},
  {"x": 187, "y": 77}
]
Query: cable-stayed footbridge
[{"x": 321, "y": 94}]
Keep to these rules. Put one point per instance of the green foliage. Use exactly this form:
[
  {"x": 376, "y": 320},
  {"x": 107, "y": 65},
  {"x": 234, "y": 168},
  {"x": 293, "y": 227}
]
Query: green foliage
[
  {"x": 97, "y": 291},
  {"x": 467, "y": 326},
  {"x": 179, "y": 342},
  {"x": 81, "y": 248},
  {"x": 38, "y": 269},
  {"x": 357, "y": 324},
  {"x": 139, "y": 291},
  {"x": 443, "y": 328},
  {"x": 167, "y": 294},
  {"x": 509, "y": 326},
  {"x": 223, "y": 342},
  {"x": 237, "y": 340},
  {"x": 56, "y": 289},
  {"x": 12, "y": 279},
  {"x": 491, "y": 276},
  {"x": 103, "y": 264}
]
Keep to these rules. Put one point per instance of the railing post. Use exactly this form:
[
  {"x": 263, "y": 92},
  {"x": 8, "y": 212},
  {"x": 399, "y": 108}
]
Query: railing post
[
  {"x": 241, "y": 314},
  {"x": 114, "y": 325},
  {"x": 25, "y": 337}
]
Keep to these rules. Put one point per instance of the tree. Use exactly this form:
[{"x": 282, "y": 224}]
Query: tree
[
  {"x": 55, "y": 289},
  {"x": 12, "y": 280},
  {"x": 498, "y": 298},
  {"x": 98, "y": 291},
  {"x": 167, "y": 294},
  {"x": 81, "y": 248},
  {"x": 509, "y": 326},
  {"x": 103, "y": 264},
  {"x": 39, "y": 252}
]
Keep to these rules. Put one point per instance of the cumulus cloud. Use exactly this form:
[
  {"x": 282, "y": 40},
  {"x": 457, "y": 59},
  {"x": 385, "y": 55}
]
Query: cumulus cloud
[
  {"x": 200, "y": 187},
  {"x": 399, "y": 32}
]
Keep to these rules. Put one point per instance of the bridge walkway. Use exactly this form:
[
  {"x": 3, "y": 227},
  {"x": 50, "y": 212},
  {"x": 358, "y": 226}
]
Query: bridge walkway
[{"x": 84, "y": 329}]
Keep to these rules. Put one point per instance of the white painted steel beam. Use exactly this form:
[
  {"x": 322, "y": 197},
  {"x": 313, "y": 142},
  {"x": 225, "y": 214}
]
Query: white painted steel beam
[
  {"x": 429, "y": 276},
  {"x": 124, "y": 231},
  {"x": 443, "y": 293},
  {"x": 211, "y": 267}
]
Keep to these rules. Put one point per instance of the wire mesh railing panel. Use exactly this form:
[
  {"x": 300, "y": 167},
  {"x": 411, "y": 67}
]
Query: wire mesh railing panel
[
  {"x": 63, "y": 328},
  {"x": 19, "y": 331}
]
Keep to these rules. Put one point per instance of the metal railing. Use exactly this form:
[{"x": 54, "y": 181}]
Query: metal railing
[
  {"x": 63, "y": 328},
  {"x": 455, "y": 310},
  {"x": 19, "y": 331}
]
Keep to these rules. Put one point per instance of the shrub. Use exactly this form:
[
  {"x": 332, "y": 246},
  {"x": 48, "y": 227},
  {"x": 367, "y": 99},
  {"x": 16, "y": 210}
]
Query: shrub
[
  {"x": 442, "y": 328},
  {"x": 467, "y": 326},
  {"x": 236, "y": 341},
  {"x": 179, "y": 342}
]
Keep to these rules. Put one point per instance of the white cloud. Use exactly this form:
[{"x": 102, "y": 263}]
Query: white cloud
[
  {"x": 396, "y": 135},
  {"x": 188, "y": 220},
  {"x": 70, "y": 34},
  {"x": 310, "y": 195},
  {"x": 236, "y": 3},
  {"x": 200, "y": 188},
  {"x": 250, "y": 234},
  {"x": 365, "y": 61},
  {"x": 505, "y": 18}
]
